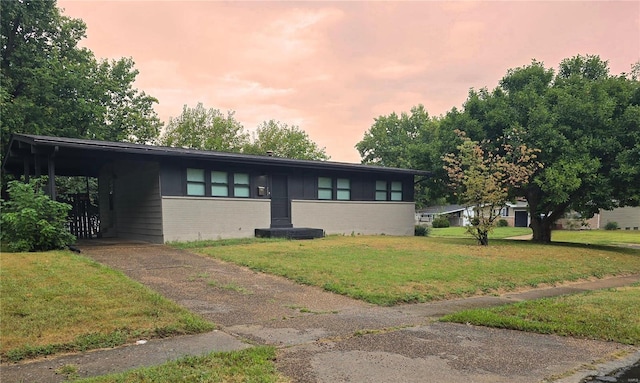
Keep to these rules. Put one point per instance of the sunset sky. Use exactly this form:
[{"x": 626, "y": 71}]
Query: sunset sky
[{"x": 333, "y": 67}]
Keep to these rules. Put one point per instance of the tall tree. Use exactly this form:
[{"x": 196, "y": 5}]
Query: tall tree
[
  {"x": 283, "y": 140},
  {"x": 50, "y": 86},
  {"x": 586, "y": 124},
  {"x": 207, "y": 129},
  {"x": 411, "y": 140}
]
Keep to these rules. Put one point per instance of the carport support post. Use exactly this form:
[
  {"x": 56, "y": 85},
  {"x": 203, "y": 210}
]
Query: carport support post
[{"x": 51, "y": 186}]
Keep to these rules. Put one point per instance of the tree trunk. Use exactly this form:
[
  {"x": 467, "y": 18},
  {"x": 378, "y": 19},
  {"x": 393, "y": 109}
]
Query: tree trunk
[
  {"x": 541, "y": 229},
  {"x": 483, "y": 238}
]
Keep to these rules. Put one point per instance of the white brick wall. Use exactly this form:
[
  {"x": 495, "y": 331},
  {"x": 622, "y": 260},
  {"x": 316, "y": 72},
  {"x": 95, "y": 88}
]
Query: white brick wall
[
  {"x": 358, "y": 217},
  {"x": 191, "y": 218}
]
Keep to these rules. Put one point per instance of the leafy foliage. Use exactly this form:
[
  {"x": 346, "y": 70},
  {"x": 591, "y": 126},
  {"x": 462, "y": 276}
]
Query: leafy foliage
[
  {"x": 440, "y": 222},
  {"x": 210, "y": 129},
  {"x": 421, "y": 231},
  {"x": 286, "y": 141},
  {"x": 206, "y": 129},
  {"x": 611, "y": 225},
  {"x": 483, "y": 179},
  {"x": 31, "y": 221},
  {"x": 585, "y": 121},
  {"x": 50, "y": 86},
  {"x": 412, "y": 141}
]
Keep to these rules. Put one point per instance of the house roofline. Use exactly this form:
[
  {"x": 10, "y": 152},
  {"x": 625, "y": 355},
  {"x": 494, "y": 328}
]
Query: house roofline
[{"x": 172, "y": 152}]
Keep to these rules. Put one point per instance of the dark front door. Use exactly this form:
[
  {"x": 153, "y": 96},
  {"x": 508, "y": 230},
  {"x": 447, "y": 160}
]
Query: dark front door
[
  {"x": 521, "y": 219},
  {"x": 280, "y": 204}
]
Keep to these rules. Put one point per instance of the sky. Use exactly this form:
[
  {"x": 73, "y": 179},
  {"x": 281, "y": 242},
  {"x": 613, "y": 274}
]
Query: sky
[{"x": 331, "y": 68}]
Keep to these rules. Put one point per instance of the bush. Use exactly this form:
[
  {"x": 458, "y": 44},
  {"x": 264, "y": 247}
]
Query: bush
[
  {"x": 31, "y": 221},
  {"x": 503, "y": 223},
  {"x": 421, "y": 231},
  {"x": 611, "y": 226},
  {"x": 439, "y": 222}
]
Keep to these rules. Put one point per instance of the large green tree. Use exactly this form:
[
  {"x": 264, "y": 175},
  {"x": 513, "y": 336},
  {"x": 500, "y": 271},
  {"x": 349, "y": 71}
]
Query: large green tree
[
  {"x": 410, "y": 140},
  {"x": 206, "y": 129},
  {"x": 50, "y": 86},
  {"x": 584, "y": 121},
  {"x": 282, "y": 140}
]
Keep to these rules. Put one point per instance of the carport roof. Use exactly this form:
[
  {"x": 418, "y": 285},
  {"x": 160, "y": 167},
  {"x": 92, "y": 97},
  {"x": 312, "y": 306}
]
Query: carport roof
[{"x": 74, "y": 156}]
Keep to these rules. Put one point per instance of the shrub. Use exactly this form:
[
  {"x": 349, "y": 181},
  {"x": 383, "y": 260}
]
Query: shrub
[
  {"x": 611, "y": 226},
  {"x": 421, "y": 231},
  {"x": 439, "y": 222},
  {"x": 503, "y": 223},
  {"x": 31, "y": 221}
]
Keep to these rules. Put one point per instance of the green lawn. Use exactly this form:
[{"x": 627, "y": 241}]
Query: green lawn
[
  {"x": 611, "y": 315},
  {"x": 597, "y": 237},
  {"x": 59, "y": 302},
  {"x": 390, "y": 270},
  {"x": 251, "y": 365},
  {"x": 498, "y": 232}
]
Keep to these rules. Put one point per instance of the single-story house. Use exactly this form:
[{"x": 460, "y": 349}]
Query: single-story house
[
  {"x": 161, "y": 194},
  {"x": 627, "y": 218},
  {"x": 458, "y": 215},
  {"x": 515, "y": 213}
]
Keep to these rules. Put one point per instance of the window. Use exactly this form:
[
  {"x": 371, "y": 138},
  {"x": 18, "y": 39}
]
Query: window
[
  {"x": 241, "y": 185},
  {"x": 343, "y": 189},
  {"x": 325, "y": 188},
  {"x": 195, "y": 182},
  {"x": 504, "y": 212},
  {"x": 381, "y": 190},
  {"x": 219, "y": 184},
  {"x": 396, "y": 191}
]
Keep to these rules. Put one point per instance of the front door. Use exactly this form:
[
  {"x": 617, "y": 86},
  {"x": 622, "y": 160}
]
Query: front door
[
  {"x": 521, "y": 219},
  {"x": 280, "y": 204}
]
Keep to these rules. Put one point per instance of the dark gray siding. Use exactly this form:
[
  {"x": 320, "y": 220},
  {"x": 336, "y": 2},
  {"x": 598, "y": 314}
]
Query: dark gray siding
[{"x": 137, "y": 203}]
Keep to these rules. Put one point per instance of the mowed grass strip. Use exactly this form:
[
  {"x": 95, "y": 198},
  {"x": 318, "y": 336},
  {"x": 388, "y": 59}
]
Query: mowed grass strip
[
  {"x": 598, "y": 237},
  {"x": 251, "y": 365},
  {"x": 58, "y": 301},
  {"x": 611, "y": 315},
  {"x": 497, "y": 233},
  {"x": 389, "y": 270}
]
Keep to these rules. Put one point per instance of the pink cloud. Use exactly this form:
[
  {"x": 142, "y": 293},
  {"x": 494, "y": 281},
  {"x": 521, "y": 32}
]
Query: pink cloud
[{"x": 332, "y": 67}]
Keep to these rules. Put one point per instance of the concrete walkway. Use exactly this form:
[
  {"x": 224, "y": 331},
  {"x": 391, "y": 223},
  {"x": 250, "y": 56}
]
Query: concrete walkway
[{"x": 323, "y": 337}]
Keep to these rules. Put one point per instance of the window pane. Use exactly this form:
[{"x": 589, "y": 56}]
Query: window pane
[
  {"x": 381, "y": 196},
  {"x": 396, "y": 186},
  {"x": 344, "y": 194},
  {"x": 241, "y": 178},
  {"x": 396, "y": 196},
  {"x": 219, "y": 177},
  {"x": 381, "y": 185},
  {"x": 195, "y": 189},
  {"x": 343, "y": 183},
  {"x": 241, "y": 191},
  {"x": 196, "y": 175},
  {"x": 219, "y": 190},
  {"x": 324, "y": 182},
  {"x": 325, "y": 194}
]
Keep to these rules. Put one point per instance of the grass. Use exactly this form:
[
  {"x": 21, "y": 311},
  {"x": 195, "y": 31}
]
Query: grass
[
  {"x": 389, "y": 270},
  {"x": 498, "y": 232},
  {"x": 255, "y": 364},
  {"x": 597, "y": 237},
  {"x": 61, "y": 302},
  {"x": 611, "y": 315}
]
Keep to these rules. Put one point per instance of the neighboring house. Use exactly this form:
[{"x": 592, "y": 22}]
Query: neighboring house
[
  {"x": 457, "y": 215},
  {"x": 627, "y": 218},
  {"x": 516, "y": 214},
  {"x": 161, "y": 194}
]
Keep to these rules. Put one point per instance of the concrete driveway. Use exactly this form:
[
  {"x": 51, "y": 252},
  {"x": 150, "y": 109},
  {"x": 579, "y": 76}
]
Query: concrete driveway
[{"x": 324, "y": 337}]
